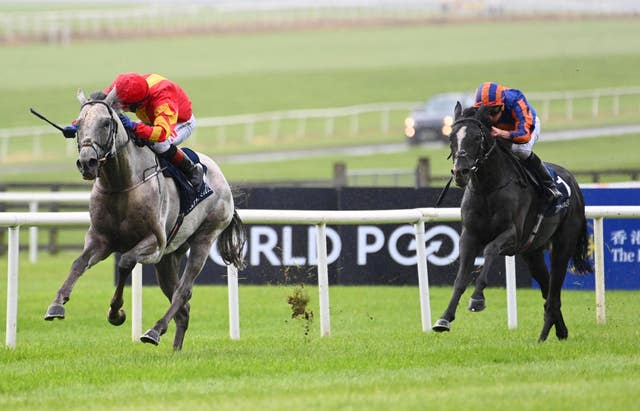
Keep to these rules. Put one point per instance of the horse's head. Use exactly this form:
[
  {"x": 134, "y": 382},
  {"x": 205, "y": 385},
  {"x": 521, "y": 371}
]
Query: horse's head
[
  {"x": 470, "y": 142},
  {"x": 98, "y": 133}
]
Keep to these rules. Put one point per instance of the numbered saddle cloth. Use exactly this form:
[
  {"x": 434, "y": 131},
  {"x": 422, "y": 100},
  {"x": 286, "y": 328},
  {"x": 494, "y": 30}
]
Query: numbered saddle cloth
[{"x": 562, "y": 203}]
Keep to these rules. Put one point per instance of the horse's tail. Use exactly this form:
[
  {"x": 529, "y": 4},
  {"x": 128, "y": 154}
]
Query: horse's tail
[
  {"x": 581, "y": 261},
  {"x": 231, "y": 241}
]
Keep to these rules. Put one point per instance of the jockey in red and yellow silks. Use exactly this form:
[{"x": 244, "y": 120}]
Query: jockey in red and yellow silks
[
  {"x": 514, "y": 119},
  {"x": 165, "y": 114},
  {"x": 165, "y": 104}
]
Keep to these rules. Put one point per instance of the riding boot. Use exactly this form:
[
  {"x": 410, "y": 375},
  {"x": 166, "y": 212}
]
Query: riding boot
[
  {"x": 193, "y": 172},
  {"x": 535, "y": 165}
]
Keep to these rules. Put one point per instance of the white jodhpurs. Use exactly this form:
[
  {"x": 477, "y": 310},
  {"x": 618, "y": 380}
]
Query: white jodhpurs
[
  {"x": 182, "y": 132},
  {"x": 523, "y": 151}
]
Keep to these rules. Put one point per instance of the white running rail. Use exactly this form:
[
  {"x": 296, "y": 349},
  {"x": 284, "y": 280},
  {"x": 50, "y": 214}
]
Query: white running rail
[{"x": 417, "y": 217}]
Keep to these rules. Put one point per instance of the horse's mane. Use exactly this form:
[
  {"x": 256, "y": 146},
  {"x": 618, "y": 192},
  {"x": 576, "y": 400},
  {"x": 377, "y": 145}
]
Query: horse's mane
[{"x": 469, "y": 112}]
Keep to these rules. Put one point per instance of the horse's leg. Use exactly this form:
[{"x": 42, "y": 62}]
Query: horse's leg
[
  {"x": 95, "y": 250},
  {"x": 167, "y": 274},
  {"x": 538, "y": 270},
  {"x": 477, "y": 302},
  {"x": 469, "y": 249},
  {"x": 561, "y": 251},
  {"x": 182, "y": 294},
  {"x": 116, "y": 315},
  {"x": 147, "y": 249}
]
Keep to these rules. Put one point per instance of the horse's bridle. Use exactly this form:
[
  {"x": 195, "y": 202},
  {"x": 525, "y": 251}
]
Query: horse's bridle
[
  {"x": 112, "y": 149},
  {"x": 483, "y": 143},
  {"x": 111, "y": 141}
]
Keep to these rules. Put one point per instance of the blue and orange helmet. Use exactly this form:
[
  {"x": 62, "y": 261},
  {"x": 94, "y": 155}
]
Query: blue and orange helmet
[{"x": 490, "y": 94}]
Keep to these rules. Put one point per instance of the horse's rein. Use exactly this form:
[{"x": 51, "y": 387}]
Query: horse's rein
[
  {"x": 146, "y": 178},
  {"x": 113, "y": 129}
]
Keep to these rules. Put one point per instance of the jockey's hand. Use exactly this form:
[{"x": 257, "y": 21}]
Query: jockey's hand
[
  {"x": 70, "y": 131},
  {"x": 496, "y": 132},
  {"x": 140, "y": 142},
  {"x": 127, "y": 122}
]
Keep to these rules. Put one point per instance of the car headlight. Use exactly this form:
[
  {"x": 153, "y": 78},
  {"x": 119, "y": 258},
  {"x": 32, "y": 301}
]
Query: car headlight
[
  {"x": 409, "y": 122},
  {"x": 447, "y": 120},
  {"x": 409, "y": 132}
]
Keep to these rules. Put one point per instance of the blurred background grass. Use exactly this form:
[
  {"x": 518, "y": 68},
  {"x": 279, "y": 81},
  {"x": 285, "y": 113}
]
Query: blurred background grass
[
  {"x": 245, "y": 73},
  {"x": 235, "y": 73}
]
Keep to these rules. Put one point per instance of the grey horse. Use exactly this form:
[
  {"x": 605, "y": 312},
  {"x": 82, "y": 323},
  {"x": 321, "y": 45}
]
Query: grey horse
[{"x": 133, "y": 210}]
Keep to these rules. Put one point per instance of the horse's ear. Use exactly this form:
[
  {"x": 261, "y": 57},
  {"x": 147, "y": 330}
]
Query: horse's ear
[
  {"x": 81, "y": 97},
  {"x": 457, "y": 111},
  {"x": 483, "y": 115},
  {"x": 112, "y": 97}
]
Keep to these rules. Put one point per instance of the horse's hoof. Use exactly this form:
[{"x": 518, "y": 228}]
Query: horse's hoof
[
  {"x": 54, "y": 311},
  {"x": 117, "y": 319},
  {"x": 476, "y": 305},
  {"x": 441, "y": 325},
  {"x": 151, "y": 337}
]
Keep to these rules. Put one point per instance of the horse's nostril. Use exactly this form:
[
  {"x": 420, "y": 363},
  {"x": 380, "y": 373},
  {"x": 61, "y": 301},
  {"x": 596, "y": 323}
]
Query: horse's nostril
[
  {"x": 464, "y": 171},
  {"x": 93, "y": 162}
]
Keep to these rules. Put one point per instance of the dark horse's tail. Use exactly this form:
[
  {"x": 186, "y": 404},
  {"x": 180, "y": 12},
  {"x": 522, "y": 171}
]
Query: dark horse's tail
[
  {"x": 231, "y": 241},
  {"x": 581, "y": 261}
]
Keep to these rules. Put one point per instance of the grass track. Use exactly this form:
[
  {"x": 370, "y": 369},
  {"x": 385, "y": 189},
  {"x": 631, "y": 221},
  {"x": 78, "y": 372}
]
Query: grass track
[{"x": 376, "y": 359}]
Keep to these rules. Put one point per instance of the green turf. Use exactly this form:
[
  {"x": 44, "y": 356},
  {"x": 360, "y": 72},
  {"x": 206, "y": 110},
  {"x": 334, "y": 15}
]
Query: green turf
[{"x": 377, "y": 357}]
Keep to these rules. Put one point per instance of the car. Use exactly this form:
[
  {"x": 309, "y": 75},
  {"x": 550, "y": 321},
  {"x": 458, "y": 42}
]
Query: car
[{"x": 432, "y": 121}]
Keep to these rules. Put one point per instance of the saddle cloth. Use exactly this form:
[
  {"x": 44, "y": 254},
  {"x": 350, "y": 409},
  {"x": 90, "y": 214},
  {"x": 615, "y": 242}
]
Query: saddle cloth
[
  {"x": 561, "y": 203},
  {"x": 188, "y": 197}
]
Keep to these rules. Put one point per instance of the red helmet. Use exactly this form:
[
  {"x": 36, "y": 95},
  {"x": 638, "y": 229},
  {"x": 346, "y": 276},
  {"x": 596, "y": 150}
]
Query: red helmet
[
  {"x": 131, "y": 88},
  {"x": 490, "y": 94}
]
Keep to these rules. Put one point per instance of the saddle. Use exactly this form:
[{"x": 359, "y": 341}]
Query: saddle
[
  {"x": 188, "y": 197},
  {"x": 526, "y": 178}
]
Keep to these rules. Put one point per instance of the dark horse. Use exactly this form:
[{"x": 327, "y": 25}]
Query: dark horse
[
  {"x": 134, "y": 210},
  {"x": 500, "y": 216}
]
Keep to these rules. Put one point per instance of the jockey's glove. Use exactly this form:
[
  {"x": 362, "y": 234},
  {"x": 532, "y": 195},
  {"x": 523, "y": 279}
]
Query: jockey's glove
[
  {"x": 70, "y": 131},
  {"x": 127, "y": 122}
]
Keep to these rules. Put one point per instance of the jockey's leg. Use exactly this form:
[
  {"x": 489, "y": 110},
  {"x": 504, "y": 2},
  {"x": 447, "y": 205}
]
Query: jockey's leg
[
  {"x": 176, "y": 156},
  {"x": 532, "y": 162},
  {"x": 535, "y": 165}
]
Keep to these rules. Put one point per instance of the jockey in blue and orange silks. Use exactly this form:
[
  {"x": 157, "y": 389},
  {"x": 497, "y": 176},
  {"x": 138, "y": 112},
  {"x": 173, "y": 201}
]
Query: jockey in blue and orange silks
[{"x": 513, "y": 118}]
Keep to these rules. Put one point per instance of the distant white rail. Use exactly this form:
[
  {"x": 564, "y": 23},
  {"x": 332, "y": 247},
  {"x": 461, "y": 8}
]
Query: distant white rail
[
  {"x": 245, "y": 127},
  {"x": 417, "y": 217}
]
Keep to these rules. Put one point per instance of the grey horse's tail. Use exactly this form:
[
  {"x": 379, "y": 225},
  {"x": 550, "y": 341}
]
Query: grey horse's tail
[
  {"x": 581, "y": 261},
  {"x": 231, "y": 241}
]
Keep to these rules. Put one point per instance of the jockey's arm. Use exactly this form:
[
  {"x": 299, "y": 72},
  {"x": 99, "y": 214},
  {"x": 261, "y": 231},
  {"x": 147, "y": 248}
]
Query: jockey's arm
[{"x": 163, "y": 125}]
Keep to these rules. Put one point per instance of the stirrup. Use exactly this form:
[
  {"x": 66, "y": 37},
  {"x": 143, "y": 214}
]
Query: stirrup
[{"x": 553, "y": 194}]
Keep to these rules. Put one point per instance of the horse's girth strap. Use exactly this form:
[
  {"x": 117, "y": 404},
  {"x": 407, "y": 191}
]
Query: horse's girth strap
[{"x": 175, "y": 229}]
